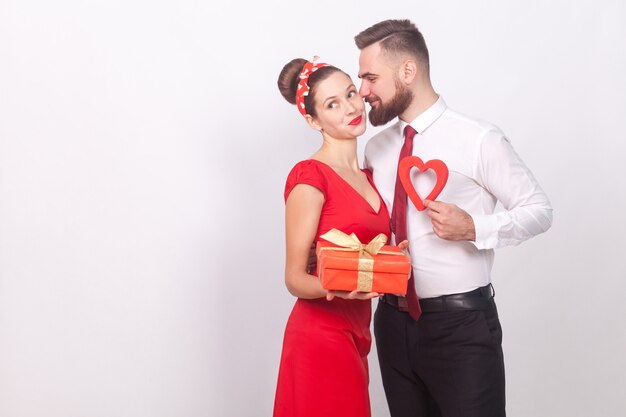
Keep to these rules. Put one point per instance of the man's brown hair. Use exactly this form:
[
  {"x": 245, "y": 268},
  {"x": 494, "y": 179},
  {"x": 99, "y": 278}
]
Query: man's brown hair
[{"x": 396, "y": 37}]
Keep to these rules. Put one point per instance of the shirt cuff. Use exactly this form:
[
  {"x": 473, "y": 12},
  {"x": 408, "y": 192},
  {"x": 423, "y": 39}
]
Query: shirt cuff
[{"x": 487, "y": 227}]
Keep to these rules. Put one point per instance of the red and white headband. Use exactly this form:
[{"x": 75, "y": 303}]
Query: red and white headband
[{"x": 303, "y": 85}]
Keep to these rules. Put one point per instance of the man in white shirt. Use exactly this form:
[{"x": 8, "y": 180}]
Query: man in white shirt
[{"x": 449, "y": 362}]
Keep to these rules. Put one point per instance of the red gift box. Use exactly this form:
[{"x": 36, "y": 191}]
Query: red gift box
[{"x": 345, "y": 264}]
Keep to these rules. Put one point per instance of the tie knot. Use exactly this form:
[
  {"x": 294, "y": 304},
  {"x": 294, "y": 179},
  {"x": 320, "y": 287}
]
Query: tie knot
[{"x": 409, "y": 132}]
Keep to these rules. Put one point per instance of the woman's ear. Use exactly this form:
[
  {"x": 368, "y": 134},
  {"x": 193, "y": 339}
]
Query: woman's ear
[{"x": 312, "y": 122}]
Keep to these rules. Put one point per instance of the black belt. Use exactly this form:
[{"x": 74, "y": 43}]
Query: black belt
[{"x": 478, "y": 299}]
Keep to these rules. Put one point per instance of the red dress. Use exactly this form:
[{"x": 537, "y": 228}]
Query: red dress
[{"x": 323, "y": 368}]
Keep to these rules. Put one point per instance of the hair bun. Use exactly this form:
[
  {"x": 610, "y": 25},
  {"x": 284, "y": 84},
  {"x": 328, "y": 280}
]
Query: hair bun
[{"x": 289, "y": 78}]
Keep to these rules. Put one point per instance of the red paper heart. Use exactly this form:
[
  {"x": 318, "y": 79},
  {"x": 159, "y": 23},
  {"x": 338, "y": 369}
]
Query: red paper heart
[{"x": 404, "y": 171}]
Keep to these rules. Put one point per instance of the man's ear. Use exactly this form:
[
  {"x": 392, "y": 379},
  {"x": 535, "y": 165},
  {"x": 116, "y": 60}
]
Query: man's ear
[
  {"x": 408, "y": 71},
  {"x": 312, "y": 122}
]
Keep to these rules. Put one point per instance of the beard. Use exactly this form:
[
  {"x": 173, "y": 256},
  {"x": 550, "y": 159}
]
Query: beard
[{"x": 383, "y": 113}]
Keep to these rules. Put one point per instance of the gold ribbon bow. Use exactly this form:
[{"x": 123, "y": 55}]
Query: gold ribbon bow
[{"x": 351, "y": 243}]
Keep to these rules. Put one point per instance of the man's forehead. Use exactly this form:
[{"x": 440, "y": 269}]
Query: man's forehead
[
  {"x": 370, "y": 61},
  {"x": 372, "y": 67}
]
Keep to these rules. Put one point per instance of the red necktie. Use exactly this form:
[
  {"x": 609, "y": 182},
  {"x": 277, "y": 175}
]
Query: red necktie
[{"x": 398, "y": 224}]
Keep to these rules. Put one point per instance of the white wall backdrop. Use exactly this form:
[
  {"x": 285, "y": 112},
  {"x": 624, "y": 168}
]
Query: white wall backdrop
[{"x": 143, "y": 152}]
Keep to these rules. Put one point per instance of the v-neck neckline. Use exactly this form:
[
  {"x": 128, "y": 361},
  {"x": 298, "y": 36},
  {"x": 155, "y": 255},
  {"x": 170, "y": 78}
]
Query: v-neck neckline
[{"x": 370, "y": 181}]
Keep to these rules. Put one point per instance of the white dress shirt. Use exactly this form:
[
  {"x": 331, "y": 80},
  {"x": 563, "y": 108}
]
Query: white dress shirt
[{"x": 483, "y": 170}]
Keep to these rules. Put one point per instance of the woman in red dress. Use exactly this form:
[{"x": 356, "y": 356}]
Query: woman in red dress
[{"x": 323, "y": 369}]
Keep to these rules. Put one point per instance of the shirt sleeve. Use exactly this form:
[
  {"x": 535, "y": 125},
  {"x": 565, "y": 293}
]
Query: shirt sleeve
[
  {"x": 527, "y": 210},
  {"x": 366, "y": 160},
  {"x": 305, "y": 172}
]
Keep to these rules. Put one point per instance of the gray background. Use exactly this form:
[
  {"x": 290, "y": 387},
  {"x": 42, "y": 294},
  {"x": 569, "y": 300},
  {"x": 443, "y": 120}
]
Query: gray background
[{"x": 143, "y": 152}]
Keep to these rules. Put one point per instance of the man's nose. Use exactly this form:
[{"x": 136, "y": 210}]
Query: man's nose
[{"x": 363, "y": 90}]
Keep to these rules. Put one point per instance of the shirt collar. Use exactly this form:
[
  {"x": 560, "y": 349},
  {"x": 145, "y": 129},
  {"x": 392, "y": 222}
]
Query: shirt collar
[{"x": 428, "y": 117}]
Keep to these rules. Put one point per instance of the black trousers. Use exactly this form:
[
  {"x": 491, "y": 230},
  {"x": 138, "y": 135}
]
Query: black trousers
[{"x": 447, "y": 364}]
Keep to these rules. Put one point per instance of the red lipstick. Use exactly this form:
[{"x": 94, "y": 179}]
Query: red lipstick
[{"x": 356, "y": 121}]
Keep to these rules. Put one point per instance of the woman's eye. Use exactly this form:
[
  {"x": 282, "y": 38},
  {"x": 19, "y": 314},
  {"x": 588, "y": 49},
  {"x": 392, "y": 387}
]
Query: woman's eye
[
  {"x": 351, "y": 94},
  {"x": 332, "y": 105}
]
